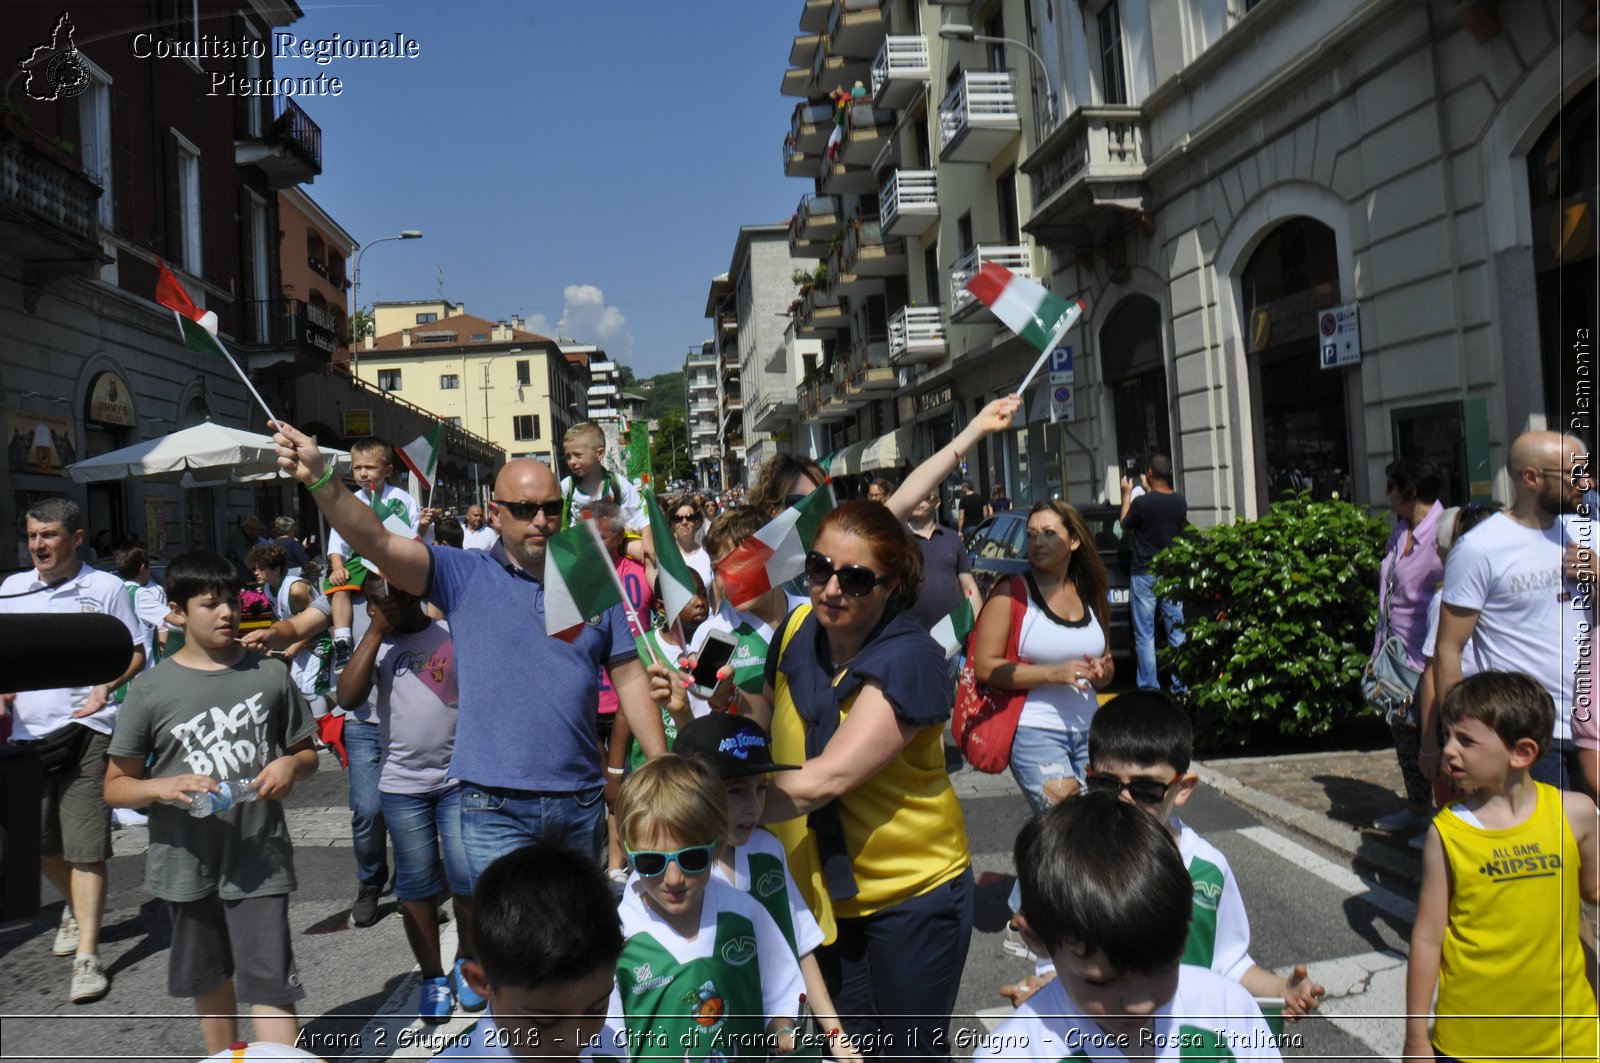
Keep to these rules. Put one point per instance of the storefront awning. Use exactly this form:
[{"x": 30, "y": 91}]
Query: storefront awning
[
  {"x": 847, "y": 462},
  {"x": 888, "y": 451}
]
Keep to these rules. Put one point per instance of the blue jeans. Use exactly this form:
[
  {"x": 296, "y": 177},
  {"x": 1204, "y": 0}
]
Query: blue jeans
[
  {"x": 422, "y": 826},
  {"x": 1038, "y": 756},
  {"x": 894, "y": 975},
  {"x": 1144, "y": 605},
  {"x": 496, "y": 821},
  {"x": 366, "y": 805}
]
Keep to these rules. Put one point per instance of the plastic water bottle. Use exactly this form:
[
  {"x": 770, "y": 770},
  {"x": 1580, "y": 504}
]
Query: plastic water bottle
[{"x": 230, "y": 794}]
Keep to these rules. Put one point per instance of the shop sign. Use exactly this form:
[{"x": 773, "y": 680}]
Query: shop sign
[
  {"x": 111, "y": 401},
  {"x": 39, "y": 443},
  {"x": 155, "y": 523},
  {"x": 929, "y": 401},
  {"x": 357, "y": 423}
]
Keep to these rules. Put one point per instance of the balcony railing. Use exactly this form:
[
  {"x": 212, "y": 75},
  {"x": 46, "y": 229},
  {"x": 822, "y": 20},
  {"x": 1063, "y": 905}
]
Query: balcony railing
[
  {"x": 51, "y": 198},
  {"x": 820, "y": 309},
  {"x": 295, "y": 130},
  {"x": 1097, "y": 149},
  {"x": 917, "y": 334},
  {"x": 964, "y": 304},
  {"x": 978, "y": 117},
  {"x": 855, "y": 27},
  {"x": 869, "y": 369},
  {"x": 900, "y": 72},
  {"x": 289, "y": 151},
  {"x": 910, "y": 202}
]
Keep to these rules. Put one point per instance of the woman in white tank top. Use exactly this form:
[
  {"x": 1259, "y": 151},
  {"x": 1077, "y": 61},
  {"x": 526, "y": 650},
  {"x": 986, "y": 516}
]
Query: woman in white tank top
[{"x": 1063, "y": 652}]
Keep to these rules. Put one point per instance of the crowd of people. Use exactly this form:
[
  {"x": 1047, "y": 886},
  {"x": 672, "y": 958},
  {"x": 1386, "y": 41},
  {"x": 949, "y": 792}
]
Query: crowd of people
[{"x": 653, "y": 860}]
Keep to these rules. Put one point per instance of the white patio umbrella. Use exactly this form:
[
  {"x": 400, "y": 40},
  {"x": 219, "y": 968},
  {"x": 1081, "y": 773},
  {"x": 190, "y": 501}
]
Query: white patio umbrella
[{"x": 203, "y": 456}]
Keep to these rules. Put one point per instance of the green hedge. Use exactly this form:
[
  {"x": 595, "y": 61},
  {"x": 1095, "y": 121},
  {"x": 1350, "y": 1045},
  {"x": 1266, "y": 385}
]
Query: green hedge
[{"x": 1279, "y": 615}]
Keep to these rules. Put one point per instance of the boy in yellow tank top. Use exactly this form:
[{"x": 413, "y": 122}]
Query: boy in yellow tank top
[{"x": 1497, "y": 926}]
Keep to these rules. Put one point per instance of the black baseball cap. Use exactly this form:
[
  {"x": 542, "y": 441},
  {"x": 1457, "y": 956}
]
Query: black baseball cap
[{"x": 736, "y": 746}]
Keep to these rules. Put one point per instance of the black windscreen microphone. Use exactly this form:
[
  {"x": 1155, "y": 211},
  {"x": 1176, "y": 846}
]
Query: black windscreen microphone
[{"x": 43, "y": 651}]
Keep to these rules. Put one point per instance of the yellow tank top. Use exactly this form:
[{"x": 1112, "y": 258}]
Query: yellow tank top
[
  {"x": 903, "y": 827},
  {"x": 1512, "y": 963}
]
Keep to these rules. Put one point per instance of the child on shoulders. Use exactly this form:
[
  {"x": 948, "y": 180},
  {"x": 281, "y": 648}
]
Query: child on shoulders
[{"x": 372, "y": 463}]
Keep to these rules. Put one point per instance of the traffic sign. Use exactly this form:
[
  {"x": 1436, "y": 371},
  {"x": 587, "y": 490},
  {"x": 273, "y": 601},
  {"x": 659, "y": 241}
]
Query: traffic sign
[
  {"x": 1061, "y": 365},
  {"x": 1063, "y": 406},
  {"x": 1339, "y": 337}
]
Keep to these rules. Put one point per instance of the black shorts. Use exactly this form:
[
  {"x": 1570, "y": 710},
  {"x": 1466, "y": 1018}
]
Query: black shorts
[{"x": 246, "y": 940}]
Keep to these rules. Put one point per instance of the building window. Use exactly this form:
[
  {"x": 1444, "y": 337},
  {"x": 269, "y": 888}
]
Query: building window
[
  {"x": 995, "y": 50},
  {"x": 1113, "y": 83},
  {"x": 964, "y": 232},
  {"x": 189, "y": 193},
  {"x": 94, "y": 135},
  {"x": 479, "y": 337},
  {"x": 453, "y": 422},
  {"x": 423, "y": 319},
  {"x": 388, "y": 380},
  {"x": 525, "y": 426},
  {"x": 524, "y": 372},
  {"x": 449, "y": 381},
  {"x": 1005, "y": 197}
]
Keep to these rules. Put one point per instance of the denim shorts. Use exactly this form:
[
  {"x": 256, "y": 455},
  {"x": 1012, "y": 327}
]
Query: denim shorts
[
  {"x": 1039, "y": 755},
  {"x": 421, "y": 825}
]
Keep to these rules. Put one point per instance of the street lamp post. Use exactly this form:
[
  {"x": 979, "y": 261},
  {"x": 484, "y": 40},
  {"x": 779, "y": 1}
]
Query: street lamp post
[
  {"x": 957, "y": 31},
  {"x": 403, "y": 234}
]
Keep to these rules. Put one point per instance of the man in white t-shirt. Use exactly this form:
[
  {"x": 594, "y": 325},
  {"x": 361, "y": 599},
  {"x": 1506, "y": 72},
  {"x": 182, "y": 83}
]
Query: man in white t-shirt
[
  {"x": 76, "y": 822},
  {"x": 1508, "y": 593},
  {"x": 478, "y": 535}
]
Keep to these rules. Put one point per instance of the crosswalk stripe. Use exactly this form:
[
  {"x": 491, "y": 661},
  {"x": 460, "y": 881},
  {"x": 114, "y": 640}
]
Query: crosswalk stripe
[{"x": 1338, "y": 876}]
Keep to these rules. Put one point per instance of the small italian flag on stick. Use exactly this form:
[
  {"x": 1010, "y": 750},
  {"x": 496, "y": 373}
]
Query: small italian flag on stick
[
  {"x": 421, "y": 456},
  {"x": 776, "y": 553},
  {"x": 952, "y": 631},
  {"x": 677, "y": 581},
  {"x": 1033, "y": 312},
  {"x": 579, "y": 582},
  {"x": 199, "y": 328}
]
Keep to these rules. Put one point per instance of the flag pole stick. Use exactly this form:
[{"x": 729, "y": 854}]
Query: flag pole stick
[
  {"x": 263, "y": 402},
  {"x": 1061, "y": 331},
  {"x": 634, "y": 627}
]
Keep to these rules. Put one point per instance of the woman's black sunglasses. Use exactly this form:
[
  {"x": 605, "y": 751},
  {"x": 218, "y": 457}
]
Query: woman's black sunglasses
[
  {"x": 855, "y": 580},
  {"x": 526, "y": 510}
]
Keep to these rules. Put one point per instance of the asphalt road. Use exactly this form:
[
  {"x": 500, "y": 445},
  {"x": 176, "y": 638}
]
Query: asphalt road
[{"x": 1305, "y": 904}]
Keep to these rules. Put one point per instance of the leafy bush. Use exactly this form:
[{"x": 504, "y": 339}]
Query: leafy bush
[{"x": 1279, "y": 614}]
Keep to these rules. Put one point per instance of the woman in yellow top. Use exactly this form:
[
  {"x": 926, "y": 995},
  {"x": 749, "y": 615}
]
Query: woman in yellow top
[
  {"x": 873, "y": 830},
  {"x": 1498, "y": 918}
]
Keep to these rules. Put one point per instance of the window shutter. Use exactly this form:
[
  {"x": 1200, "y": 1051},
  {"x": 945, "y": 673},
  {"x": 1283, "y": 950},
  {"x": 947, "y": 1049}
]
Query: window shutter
[
  {"x": 172, "y": 230},
  {"x": 210, "y": 252},
  {"x": 122, "y": 163}
]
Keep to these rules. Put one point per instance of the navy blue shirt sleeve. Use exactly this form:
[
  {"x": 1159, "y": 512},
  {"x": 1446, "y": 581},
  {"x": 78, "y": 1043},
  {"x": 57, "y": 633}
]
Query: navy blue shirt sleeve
[
  {"x": 912, "y": 676},
  {"x": 619, "y": 639},
  {"x": 447, "y": 575}
]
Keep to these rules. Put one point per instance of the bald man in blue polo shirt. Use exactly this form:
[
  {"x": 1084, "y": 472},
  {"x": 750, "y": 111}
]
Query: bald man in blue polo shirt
[{"x": 526, "y": 751}]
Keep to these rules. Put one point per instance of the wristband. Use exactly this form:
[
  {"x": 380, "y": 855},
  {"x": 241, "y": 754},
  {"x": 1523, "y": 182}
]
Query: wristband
[
  {"x": 327, "y": 474},
  {"x": 616, "y": 771}
]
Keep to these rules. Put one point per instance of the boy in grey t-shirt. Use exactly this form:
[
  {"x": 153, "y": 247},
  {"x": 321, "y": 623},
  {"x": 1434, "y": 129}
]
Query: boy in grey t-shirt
[{"x": 214, "y": 713}]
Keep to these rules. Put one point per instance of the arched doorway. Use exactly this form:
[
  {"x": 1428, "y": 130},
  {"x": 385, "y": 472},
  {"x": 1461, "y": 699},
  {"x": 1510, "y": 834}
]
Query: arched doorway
[
  {"x": 1562, "y": 179},
  {"x": 108, "y": 423},
  {"x": 1136, "y": 375},
  {"x": 1302, "y": 433}
]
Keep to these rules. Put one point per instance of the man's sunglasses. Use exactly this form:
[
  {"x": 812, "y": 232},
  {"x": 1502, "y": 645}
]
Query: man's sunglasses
[
  {"x": 691, "y": 860},
  {"x": 855, "y": 580},
  {"x": 526, "y": 510},
  {"x": 1143, "y": 791}
]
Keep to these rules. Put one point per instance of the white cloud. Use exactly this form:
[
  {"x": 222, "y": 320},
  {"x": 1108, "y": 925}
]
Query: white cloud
[{"x": 585, "y": 317}]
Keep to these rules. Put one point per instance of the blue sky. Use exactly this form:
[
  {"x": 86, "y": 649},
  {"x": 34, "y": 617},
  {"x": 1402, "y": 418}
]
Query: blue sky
[{"x": 585, "y": 164}]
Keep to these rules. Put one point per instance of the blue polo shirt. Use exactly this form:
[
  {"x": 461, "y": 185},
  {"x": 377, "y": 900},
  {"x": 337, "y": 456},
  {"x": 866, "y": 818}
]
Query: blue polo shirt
[{"x": 527, "y": 715}]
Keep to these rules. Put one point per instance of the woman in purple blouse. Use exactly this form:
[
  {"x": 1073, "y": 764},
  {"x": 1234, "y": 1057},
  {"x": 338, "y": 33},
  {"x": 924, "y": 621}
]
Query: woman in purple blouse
[{"x": 1408, "y": 580}]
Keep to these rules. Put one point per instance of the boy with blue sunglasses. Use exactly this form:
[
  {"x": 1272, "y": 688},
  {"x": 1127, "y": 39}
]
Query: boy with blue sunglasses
[{"x": 705, "y": 972}]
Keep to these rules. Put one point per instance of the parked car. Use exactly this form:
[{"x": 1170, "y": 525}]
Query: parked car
[{"x": 998, "y": 547}]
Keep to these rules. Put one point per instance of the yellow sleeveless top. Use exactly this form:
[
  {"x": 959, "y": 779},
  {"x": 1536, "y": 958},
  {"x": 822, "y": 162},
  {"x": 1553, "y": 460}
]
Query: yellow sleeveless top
[
  {"x": 1512, "y": 963},
  {"x": 903, "y": 828}
]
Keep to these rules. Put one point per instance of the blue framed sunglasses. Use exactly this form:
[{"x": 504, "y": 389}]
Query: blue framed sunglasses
[{"x": 652, "y": 863}]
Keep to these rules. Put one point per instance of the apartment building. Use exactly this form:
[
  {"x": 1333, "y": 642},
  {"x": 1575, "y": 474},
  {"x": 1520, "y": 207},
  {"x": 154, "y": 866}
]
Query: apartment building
[
  {"x": 1218, "y": 194},
  {"x": 702, "y": 396},
  {"x": 603, "y": 402},
  {"x": 110, "y": 164},
  {"x": 1310, "y": 236},
  {"x": 494, "y": 379},
  {"x": 916, "y": 181}
]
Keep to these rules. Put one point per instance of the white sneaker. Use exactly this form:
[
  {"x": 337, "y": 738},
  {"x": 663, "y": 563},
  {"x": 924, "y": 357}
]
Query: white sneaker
[
  {"x": 1404, "y": 821},
  {"x": 66, "y": 943},
  {"x": 89, "y": 982},
  {"x": 1012, "y": 943}
]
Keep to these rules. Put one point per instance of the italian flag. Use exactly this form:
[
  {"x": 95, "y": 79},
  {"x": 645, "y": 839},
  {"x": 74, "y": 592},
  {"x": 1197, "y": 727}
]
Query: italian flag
[
  {"x": 952, "y": 631},
  {"x": 777, "y": 552},
  {"x": 579, "y": 582},
  {"x": 677, "y": 581},
  {"x": 197, "y": 327},
  {"x": 421, "y": 456},
  {"x": 1030, "y": 310}
]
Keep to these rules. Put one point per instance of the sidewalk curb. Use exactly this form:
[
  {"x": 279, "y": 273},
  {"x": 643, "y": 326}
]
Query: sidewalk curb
[{"x": 1319, "y": 828}]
